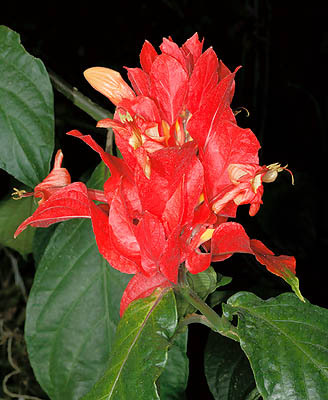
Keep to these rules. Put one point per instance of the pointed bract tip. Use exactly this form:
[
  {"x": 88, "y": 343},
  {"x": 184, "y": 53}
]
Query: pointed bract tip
[{"x": 109, "y": 83}]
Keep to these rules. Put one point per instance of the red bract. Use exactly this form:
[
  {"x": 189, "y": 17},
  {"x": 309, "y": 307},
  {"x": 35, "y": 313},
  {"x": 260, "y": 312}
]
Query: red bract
[
  {"x": 231, "y": 238},
  {"x": 186, "y": 168},
  {"x": 169, "y": 88},
  {"x": 182, "y": 95},
  {"x": 72, "y": 201}
]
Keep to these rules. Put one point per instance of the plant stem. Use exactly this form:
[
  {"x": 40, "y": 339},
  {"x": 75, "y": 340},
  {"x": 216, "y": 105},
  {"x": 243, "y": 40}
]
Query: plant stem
[
  {"x": 77, "y": 98},
  {"x": 193, "y": 319},
  {"x": 214, "y": 321},
  {"x": 253, "y": 395}
]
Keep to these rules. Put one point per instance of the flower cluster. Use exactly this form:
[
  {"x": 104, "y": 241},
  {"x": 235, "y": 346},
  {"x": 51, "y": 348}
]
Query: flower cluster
[{"x": 186, "y": 168}]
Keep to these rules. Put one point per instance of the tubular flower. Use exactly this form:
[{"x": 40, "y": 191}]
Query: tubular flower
[
  {"x": 60, "y": 199},
  {"x": 58, "y": 178},
  {"x": 186, "y": 168},
  {"x": 246, "y": 185},
  {"x": 246, "y": 188}
]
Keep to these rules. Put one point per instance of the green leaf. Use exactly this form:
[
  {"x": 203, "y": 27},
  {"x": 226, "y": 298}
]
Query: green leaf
[
  {"x": 227, "y": 370},
  {"x": 140, "y": 350},
  {"x": 12, "y": 213},
  {"x": 72, "y": 312},
  {"x": 219, "y": 296},
  {"x": 293, "y": 281},
  {"x": 26, "y": 112},
  {"x": 286, "y": 342},
  {"x": 203, "y": 283},
  {"x": 174, "y": 379},
  {"x": 40, "y": 241},
  {"x": 98, "y": 177}
]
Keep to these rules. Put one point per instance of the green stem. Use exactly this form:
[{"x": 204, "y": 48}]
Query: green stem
[
  {"x": 214, "y": 321},
  {"x": 253, "y": 395},
  {"x": 79, "y": 99},
  {"x": 193, "y": 319}
]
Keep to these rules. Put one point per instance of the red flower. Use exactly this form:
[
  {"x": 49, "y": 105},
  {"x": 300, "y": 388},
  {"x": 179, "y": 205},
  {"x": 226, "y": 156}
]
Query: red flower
[
  {"x": 57, "y": 179},
  {"x": 246, "y": 186},
  {"x": 182, "y": 95},
  {"x": 169, "y": 88},
  {"x": 71, "y": 201},
  {"x": 154, "y": 234},
  {"x": 66, "y": 201},
  {"x": 186, "y": 168}
]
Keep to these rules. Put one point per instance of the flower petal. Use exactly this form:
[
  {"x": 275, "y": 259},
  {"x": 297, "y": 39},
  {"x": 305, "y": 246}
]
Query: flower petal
[
  {"x": 230, "y": 237},
  {"x": 72, "y": 201},
  {"x": 121, "y": 223},
  {"x": 202, "y": 80},
  {"x": 141, "y": 286},
  {"x": 215, "y": 107},
  {"x": 172, "y": 49},
  {"x": 58, "y": 178},
  {"x": 151, "y": 238},
  {"x": 140, "y": 81},
  {"x": 227, "y": 145},
  {"x": 193, "y": 47},
  {"x": 197, "y": 261},
  {"x": 168, "y": 166},
  {"x": 118, "y": 168},
  {"x": 109, "y": 83},
  {"x": 147, "y": 56},
  {"x": 169, "y": 86},
  {"x": 104, "y": 238}
]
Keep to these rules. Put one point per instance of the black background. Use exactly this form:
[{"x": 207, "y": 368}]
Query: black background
[{"x": 282, "y": 47}]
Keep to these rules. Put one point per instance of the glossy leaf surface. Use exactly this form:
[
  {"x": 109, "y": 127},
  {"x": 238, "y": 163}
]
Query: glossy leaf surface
[
  {"x": 173, "y": 381},
  {"x": 26, "y": 112},
  {"x": 72, "y": 312},
  {"x": 140, "y": 350},
  {"x": 286, "y": 342},
  {"x": 227, "y": 370},
  {"x": 73, "y": 307}
]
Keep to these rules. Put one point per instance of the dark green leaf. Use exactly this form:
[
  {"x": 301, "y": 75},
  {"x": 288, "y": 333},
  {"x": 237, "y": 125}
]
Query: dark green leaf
[
  {"x": 72, "y": 312},
  {"x": 286, "y": 342},
  {"x": 173, "y": 381},
  {"x": 12, "y": 213},
  {"x": 140, "y": 350},
  {"x": 40, "y": 241},
  {"x": 222, "y": 280},
  {"x": 227, "y": 370},
  {"x": 26, "y": 112},
  {"x": 203, "y": 283},
  {"x": 219, "y": 296},
  {"x": 98, "y": 177}
]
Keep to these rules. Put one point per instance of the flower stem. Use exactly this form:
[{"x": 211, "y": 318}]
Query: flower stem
[
  {"x": 77, "y": 98},
  {"x": 193, "y": 319},
  {"x": 214, "y": 321}
]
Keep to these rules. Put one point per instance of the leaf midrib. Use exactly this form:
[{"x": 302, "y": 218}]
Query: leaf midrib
[{"x": 142, "y": 326}]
